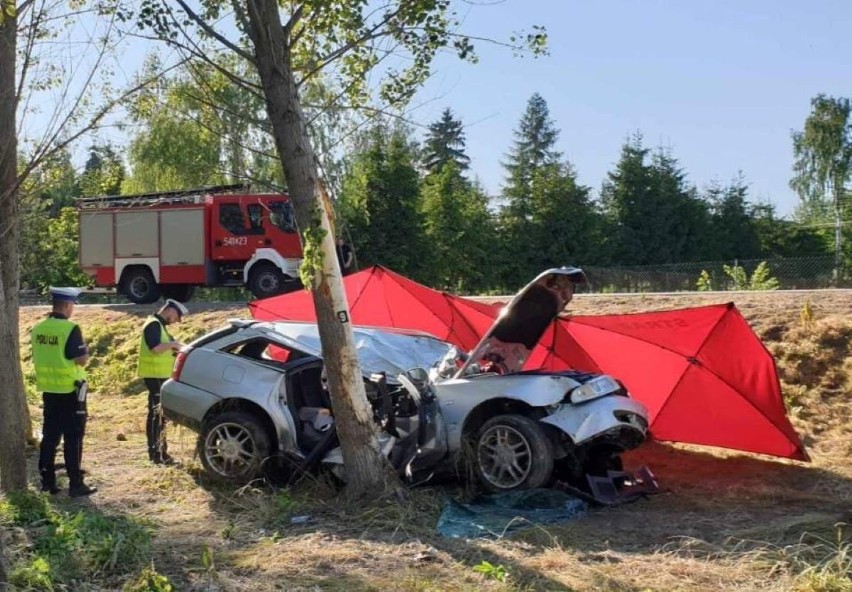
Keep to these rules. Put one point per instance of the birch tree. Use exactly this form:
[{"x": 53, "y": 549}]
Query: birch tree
[{"x": 289, "y": 42}]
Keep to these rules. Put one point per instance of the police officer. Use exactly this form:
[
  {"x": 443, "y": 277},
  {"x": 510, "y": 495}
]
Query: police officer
[
  {"x": 156, "y": 358},
  {"x": 59, "y": 356}
]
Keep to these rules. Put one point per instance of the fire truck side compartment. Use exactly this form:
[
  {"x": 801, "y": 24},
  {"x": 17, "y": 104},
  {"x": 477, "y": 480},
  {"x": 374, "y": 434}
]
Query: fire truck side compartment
[
  {"x": 96, "y": 239},
  {"x": 182, "y": 237},
  {"x": 137, "y": 234}
]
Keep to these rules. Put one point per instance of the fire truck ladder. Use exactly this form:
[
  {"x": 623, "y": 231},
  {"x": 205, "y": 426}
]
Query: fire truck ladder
[{"x": 139, "y": 200}]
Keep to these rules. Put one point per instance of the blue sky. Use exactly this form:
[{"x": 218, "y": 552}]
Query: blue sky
[{"x": 721, "y": 82}]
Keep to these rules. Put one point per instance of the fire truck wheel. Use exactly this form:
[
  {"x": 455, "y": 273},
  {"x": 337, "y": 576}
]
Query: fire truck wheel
[
  {"x": 137, "y": 283},
  {"x": 266, "y": 280}
]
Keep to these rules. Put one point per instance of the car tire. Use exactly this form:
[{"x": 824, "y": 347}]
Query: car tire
[
  {"x": 266, "y": 280},
  {"x": 512, "y": 452},
  {"x": 233, "y": 447},
  {"x": 139, "y": 285}
]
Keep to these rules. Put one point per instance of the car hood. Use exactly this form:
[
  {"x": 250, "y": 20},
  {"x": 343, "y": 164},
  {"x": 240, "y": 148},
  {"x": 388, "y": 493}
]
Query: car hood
[
  {"x": 379, "y": 350},
  {"x": 523, "y": 321}
]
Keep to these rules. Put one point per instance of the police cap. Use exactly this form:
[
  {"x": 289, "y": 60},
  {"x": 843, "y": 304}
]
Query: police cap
[
  {"x": 180, "y": 308},
  {"x": 64, "y": 294}
]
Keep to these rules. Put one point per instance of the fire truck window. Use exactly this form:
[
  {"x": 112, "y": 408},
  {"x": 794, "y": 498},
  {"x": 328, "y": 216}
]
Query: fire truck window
[
  {"x": 255, "y": 214},
  {"x": 231, "y": 218},
  {"x": 281, "y": 215}
]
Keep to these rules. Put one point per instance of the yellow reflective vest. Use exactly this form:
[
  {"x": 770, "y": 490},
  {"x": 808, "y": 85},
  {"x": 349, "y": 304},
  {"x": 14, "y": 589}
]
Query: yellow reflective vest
[
  {"x": 54, "y": 372},
  {"x": 155, "y": 365}
]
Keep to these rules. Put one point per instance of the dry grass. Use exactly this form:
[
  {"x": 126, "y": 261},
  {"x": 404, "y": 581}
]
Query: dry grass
[{"x": 727, "y": 521}]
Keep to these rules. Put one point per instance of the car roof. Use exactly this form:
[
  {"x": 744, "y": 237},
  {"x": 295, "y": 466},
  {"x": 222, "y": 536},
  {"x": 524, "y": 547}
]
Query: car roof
[{"x": 391, "y": 351}]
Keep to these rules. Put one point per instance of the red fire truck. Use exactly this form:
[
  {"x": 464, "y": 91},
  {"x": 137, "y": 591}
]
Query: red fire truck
[{"x": 165, "y": 244}]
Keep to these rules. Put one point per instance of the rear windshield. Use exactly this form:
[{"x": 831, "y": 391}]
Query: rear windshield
[{"x": 217, "y": 334}]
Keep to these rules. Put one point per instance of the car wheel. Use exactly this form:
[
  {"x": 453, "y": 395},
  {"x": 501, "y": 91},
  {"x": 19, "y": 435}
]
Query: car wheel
[
  {"x": 266, "y": 280},
  {"x": 233, "y": 447},
  {"x": 138, "y": 284},
  {"x": 513, "y": 452}
]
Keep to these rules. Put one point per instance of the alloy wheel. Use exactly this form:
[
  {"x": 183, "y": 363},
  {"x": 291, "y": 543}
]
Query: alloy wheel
[
  {"x": 230, "y": 449},
  {"x": 505, "y": 456}
]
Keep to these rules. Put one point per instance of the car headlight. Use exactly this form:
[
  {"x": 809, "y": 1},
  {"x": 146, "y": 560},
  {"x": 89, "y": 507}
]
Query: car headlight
[{"x": 595, "y": 388}]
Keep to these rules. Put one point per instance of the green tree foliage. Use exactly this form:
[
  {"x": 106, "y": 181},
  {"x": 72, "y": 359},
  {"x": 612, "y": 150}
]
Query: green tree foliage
[
  {"x": 445, "y": 143},
  {"x": 458, "y": 229},
  {"x": 534, "y": 147},
  {"x": 564, "y": 228},
  {"x": 654, "y": 215},
  {"x": 176, "y": 146},
  {"x": 104, "y": 172},
  {"x": 51, "y": 188},
  {"x": 705, "y": 282},
  {"x": 688, "y": 227},
  {"x": 380, "y": 203},
  {"x": 823, "y": 165},
  {"x": 627, "y": 198},
  {"x": 733, "y": 227},
  {"x": 51, "y": 255},
  {"x": 778, "y": 237},
  {"x": 547, "y": 218}
]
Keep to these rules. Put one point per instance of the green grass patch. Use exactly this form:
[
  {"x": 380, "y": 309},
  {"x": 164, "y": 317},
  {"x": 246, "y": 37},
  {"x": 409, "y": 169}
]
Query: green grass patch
[
  {"x": 149, "y": 581},
  {"x": 67, "y": 548}
]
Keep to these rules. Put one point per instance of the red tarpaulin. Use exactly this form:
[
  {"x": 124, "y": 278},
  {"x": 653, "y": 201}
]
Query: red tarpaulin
[
  {"x": 379, "y": 297},
  {"x": 704, "y": 375}
]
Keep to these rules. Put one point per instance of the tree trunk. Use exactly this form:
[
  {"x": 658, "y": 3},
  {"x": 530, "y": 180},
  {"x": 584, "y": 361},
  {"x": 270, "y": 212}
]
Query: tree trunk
[
  {"x": 838, "y": 233},
  {"x": 366, "y": 471},
  {"x": 14, "y": 416}
]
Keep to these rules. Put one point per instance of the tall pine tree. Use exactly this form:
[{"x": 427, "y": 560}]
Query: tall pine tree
[
  {"x": 445, "y": 143},
  {"x": 654, "y": 215},
  {"x": 548, "y": 219},
  {"x": 733, "y": 225}
]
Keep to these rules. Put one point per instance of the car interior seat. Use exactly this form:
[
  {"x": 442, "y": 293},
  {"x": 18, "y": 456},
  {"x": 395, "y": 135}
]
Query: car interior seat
[{"x": 311, "y": 407}]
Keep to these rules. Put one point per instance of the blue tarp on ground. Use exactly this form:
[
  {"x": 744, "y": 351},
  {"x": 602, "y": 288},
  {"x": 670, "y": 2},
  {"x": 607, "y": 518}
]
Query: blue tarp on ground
[{"x": 500, "y": 513}]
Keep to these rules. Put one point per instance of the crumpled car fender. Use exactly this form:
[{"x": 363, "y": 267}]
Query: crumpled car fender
[
  {"x": 584, "y": 421},
  {"x": 459, "y": 396}
]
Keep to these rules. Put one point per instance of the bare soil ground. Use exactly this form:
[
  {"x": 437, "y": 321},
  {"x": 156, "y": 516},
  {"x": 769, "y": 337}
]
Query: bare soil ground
[{"x": 726, "y": 521}]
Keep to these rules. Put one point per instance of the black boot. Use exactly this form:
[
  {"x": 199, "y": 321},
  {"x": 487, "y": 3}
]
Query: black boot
[
  {"x": 48, "y": 483},
  {"x": 163, "y": 459},
  {"x": 80, "y": 489},
  {"x": 50, "y": 488}
]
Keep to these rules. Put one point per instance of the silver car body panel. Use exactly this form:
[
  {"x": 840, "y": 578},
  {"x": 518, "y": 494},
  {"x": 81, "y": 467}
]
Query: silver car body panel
[
  {"x": 210, "y": 377},
  {"x": 379, "y": 350},
  {"x": 186, "y": 400},
  {"x": 459, "y": 396},
  {"x": 590, "y": 420}
]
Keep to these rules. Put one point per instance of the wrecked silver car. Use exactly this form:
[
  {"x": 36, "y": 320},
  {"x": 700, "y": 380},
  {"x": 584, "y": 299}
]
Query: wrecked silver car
[{"x": 255, "y": 391}]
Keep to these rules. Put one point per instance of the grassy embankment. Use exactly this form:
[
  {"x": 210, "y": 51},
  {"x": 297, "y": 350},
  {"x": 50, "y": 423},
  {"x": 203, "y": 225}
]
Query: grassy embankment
[{"x": 727, "y": 521}]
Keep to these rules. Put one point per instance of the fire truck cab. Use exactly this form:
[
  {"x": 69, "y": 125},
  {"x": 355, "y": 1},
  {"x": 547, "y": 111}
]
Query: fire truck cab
[{"x": 165, "y": 244}]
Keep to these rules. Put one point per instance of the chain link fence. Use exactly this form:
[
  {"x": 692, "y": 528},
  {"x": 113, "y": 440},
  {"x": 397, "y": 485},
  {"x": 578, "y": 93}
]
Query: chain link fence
[{"x": 805, "y": 273}]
